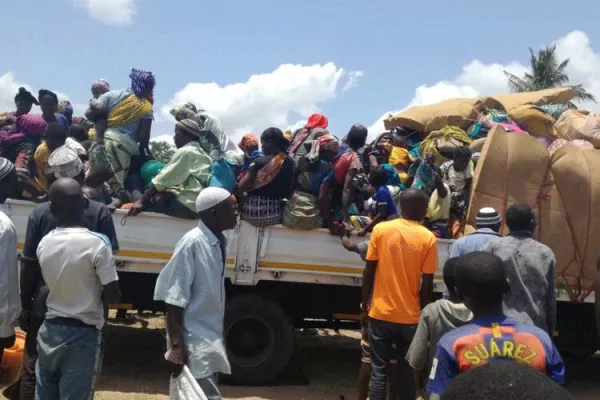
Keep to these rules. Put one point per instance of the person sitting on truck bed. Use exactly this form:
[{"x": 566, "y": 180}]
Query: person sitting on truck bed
[
  {"x": 531, "y": 269},
  {"x": 250, "y": 146},
  {"x": 269, "y": 180},
  {"x": 491, "y": 336},
  {"x": 302, "y": 211},
  {"x": 458, "y": 174},
  {"x": 175, "y": 189},
  {"x": 96, "y": 218},
  {"x": 192, "y": 287}
]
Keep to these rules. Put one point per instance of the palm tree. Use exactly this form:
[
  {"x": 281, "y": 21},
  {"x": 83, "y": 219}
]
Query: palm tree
[{"x": 546, "y": 73}]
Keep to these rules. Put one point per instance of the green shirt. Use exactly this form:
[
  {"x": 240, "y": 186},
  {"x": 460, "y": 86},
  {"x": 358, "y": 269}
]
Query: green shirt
[{"x": 186, "y": 174}]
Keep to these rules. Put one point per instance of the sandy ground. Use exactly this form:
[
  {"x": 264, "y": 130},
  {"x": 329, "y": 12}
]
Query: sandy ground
[{"x": 325, "y": 367}]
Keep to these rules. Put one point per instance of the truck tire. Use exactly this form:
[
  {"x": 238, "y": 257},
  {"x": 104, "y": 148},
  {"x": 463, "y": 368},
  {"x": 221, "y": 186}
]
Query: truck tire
[{"x": 260, "y": 339}]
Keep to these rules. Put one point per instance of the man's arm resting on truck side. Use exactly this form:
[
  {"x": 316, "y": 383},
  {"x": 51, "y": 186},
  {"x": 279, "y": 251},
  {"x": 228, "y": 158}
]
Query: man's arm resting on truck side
[
  {"x": 177, "y": 357},
  {"x": 426, "y": 289}
]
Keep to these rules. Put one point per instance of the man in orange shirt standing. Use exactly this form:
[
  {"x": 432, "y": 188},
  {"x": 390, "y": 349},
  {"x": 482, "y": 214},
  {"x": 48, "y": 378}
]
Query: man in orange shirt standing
[{"x": 397, "y": 283}]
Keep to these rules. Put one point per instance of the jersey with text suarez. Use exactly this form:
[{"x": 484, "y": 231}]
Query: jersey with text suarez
[{"x": 489, "y": 340}]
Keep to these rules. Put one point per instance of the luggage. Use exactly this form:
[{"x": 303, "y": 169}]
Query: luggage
[{"x": 535, "y": 121}]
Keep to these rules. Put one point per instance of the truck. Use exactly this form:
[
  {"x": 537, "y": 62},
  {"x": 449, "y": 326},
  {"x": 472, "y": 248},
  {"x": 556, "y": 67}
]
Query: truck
[{"x": 278, "y": 280}]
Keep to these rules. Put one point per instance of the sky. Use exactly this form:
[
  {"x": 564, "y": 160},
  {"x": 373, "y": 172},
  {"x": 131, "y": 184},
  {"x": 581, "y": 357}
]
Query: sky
[{"x": 261, "y": 63}]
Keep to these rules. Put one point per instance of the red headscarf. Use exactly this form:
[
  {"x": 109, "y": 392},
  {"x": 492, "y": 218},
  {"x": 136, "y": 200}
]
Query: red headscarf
[
  {"x": 317, "y": 121},
  {"x": 248, "y": 140}
]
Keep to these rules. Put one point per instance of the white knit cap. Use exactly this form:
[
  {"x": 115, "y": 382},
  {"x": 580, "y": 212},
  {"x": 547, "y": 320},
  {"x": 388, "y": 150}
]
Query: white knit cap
[
  {"x": 65, "y": 162},
  {"x": 75, "y": 145},
  {"x": 210, "y": 197}
]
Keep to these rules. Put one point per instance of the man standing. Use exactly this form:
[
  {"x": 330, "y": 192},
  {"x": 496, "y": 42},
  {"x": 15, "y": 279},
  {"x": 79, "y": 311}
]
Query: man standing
[
  {"x": 96, "y": 218},
  {"x": 79, "y": 270},
  {"x": 9, "y": 275},
  {"x": 530, "y": 268},
  {"x": 398, "y": 278},
  {"x": 488, "y": 227},
  {"x": 193, "y": 287}
]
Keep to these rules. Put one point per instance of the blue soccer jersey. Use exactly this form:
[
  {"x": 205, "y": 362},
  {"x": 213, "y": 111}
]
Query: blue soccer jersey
[{"x": 493, "y": 339}]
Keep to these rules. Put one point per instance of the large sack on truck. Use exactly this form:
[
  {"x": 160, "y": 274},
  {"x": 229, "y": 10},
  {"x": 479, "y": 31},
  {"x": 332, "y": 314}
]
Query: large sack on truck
[
  {"x": 575, "y": 235},
  {"x": 456, "y": 112},
  {"x": 535, "y": 121},
  {"x": 578, "y": 124},
  {"x": 511, "y": 169},
  {"x": 538, "y": 98}
]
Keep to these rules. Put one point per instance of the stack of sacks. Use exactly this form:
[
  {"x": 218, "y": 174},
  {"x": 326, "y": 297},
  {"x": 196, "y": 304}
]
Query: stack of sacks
[
  {"x": 558, "y": 143},
  {"x": 535, "y": 121},
  {"x": 577, "y": 124},
  {"x": 490, "y": 118},
  {"x": 510, "y": 101},
  {"x": 519, "y": 169}
]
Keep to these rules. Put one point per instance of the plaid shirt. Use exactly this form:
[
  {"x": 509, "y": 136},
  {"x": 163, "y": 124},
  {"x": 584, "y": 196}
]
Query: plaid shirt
[{"x": 531, "y": 272}]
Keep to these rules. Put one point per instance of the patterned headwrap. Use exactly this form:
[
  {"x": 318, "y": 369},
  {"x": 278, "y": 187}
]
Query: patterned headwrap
[
  {"x": 64, "y": 107},
  {"x": 249, "y": 140},
  {"x": 6, "y": 167},
  {"x": 190, "y": 126},
  {"x": 184, "y": 111},
  {"x": 101, "y": 84},
  {"x": 141, "y": 82}
]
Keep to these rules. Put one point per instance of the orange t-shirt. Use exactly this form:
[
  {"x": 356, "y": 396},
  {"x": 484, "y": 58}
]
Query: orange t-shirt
[{"x": 404, "y": 250}]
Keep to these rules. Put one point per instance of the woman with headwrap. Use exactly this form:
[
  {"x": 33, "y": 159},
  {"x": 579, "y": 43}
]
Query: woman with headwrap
[
  {"x": 175, "y": 188},
  {"x": 184, "y": 111},
  {"x": 24, "y": 100},
  {"x": 302, "y": 210},
  {"x": 127, "y": 133},
  {"x": 315, "y": 127},
  {"x": 269, "y": 180},
  {"x": 249, "y": 145},
  {"x": 100, "y": 87}
]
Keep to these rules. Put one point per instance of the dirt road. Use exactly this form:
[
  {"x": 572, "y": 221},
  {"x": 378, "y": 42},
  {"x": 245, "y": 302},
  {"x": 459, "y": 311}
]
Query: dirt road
[{"x": 325, "y": 368}]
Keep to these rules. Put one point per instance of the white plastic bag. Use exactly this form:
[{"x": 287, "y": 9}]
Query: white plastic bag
[{"x": 185, "y": 387}]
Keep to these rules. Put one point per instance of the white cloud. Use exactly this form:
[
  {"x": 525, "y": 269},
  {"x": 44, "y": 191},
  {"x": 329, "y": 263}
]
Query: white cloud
[
  {"x": 479, "y": 79},
  {"x": 268, "y": 99},
  {"x": 111, "y": 12},
  {"x": 353, "y": 78}
]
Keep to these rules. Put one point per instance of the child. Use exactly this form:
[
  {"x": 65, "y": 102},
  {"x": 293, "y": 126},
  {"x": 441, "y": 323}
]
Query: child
[
  {"x": 385, "y": 207},
  {"x": 436, "y": 319},
  {"x": 249, "y": 145},
  {"x": 491, "y": 336},
  {"x": 364, "y": 374},
  {"x": 458, "y": 174}
]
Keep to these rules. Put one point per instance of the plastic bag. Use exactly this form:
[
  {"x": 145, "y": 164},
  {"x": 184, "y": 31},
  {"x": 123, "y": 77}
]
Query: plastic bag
[
  {"x": 221, "y": 175},
  {"x": 185, "y": 387}
]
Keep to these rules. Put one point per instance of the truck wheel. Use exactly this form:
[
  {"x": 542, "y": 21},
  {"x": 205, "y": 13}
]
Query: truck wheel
[{"x": 260, "y": 339}]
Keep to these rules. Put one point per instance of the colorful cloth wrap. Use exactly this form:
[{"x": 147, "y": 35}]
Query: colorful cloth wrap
[
  {"x": 27, "y": 125},
  {"x": 267, "y": 173}
]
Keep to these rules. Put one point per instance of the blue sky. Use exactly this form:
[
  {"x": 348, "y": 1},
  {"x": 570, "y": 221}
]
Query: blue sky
[{"x": 388, "y": 48}]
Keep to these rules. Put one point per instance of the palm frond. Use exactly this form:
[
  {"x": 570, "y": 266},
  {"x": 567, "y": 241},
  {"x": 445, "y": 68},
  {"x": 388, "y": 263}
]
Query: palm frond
[
  {"x": 517, "y": 84},
  {"x": 583, "y": 95}
]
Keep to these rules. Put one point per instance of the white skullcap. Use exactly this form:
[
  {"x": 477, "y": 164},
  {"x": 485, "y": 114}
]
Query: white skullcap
[
  {"x": 6, "y": 167},
  {"x": 65, "y": 162},
  {"x": 210, "y": 197},
  {"x": 75, "y": 145}
]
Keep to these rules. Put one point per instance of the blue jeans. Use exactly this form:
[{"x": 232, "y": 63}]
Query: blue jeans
[
  {"x": 69, "y": 360},
  {"x": 382, "y": 335}
]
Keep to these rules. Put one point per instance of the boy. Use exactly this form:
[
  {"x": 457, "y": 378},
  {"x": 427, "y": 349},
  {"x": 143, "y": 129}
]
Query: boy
[
  {"x": 491, "y": 336},
  {"x": 436, "y": 319},
  {"x": 364, "y": 374},
  {"x": 385, "y": 205}
]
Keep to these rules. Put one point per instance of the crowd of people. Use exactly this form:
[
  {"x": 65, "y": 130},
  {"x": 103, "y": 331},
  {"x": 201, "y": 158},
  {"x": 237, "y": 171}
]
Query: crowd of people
[{"x": 499, "y": 303}]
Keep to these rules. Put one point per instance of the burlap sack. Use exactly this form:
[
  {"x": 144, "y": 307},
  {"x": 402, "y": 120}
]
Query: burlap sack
[
  {"x": 570, "y": 124},
  {"x": 511, "y": 169},
  {"x": 541, "y": 97},
  {"x": 455, "y": 112},
  {"x": 535, "y": 121}
]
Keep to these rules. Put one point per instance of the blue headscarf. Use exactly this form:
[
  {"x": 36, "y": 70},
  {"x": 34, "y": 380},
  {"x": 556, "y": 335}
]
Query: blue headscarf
[{"x": 141, "y": 82}]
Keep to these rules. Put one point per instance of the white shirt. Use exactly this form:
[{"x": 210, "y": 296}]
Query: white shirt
[
  {"x": 456, "y": 179},
  {"x": 194, "y": 280},
  {"x": 10, "y": 301},
  {"x": 75, "y": 264}
]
